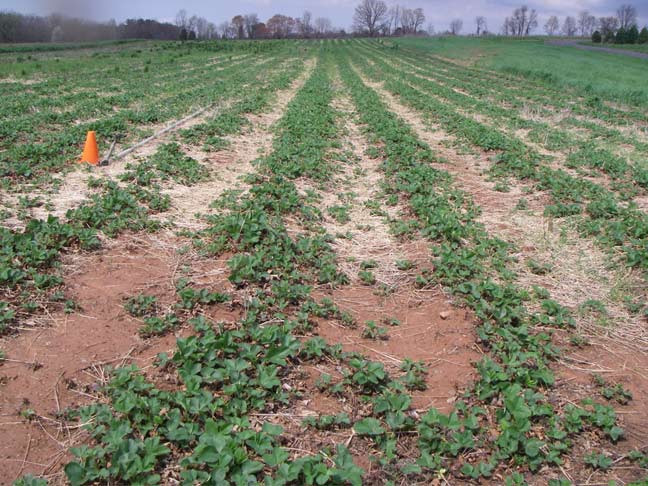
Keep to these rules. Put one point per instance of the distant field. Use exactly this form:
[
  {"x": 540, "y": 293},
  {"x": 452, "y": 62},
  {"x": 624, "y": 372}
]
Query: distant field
[
  {"x": 323, "y": 262},
  {"x": 622, "y": 79},
  {"x": 631, "y": 47},
  {"x": 64, "y": 46}
]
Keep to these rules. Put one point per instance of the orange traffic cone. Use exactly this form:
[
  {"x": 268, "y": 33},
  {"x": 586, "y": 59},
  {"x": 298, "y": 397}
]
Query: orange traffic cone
[{"x": 91, "y": 150}]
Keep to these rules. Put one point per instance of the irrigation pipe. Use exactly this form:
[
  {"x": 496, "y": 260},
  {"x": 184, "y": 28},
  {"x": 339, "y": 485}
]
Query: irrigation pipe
[{"x": 171, "y": 127}]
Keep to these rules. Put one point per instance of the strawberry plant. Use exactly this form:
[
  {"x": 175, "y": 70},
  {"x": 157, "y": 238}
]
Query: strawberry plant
[
  {"x": 141, "y": 305},
  {"x": 517, "y": 369},
  {"x": 328, "y": 422},
  {"x": 223, "y": 420},
  {"x": 367, "y": 277},
  {"x": 612, "y": 392},
  {"x": 598, "y": 461},
  {"x": 374, "y": 331}
]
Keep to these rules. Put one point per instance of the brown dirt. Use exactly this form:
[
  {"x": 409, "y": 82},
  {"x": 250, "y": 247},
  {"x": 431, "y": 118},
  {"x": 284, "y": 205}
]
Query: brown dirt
[
  {"x": 468, "y": 168},
  {"x": 581, "y": 270},
  {"x": 446, "y": 345},
  {"x": 73, "y": 352},
  {"x": 71, "y": 365},
  {"x": 574, "y": 381},
  {"x": 642, "y": 203},
  {"x": 613, "y": 362}
]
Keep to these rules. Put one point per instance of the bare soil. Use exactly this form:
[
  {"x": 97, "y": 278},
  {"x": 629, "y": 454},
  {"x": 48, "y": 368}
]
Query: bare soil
[
  {"x": 61, "y": 366},
  {"x": 431, "y": 328},
  {"x": 581, "y": 270},
  {"x": 618, "y": 348}
]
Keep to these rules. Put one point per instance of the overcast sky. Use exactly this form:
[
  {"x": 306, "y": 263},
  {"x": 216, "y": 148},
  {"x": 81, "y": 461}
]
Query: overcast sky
[{"x": 438, "y": 12}]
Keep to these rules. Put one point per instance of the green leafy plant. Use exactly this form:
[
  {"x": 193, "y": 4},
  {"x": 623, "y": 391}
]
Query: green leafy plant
[
  {"x": 613, "y": 392},
  {"x": 598, "y": 461},
  {"x": 539, "y": 268},
  {"x": 367, "y": 277},
  {"x": 374, "y": 331},
  {"x": 405, "y": 265},
  {"x": 141, "y": 305},
  {"x": 339, "y": 213}
]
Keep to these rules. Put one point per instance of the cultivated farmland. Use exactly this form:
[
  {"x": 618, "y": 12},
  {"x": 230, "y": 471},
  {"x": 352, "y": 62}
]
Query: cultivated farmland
[{"x": 407, "y": 262}]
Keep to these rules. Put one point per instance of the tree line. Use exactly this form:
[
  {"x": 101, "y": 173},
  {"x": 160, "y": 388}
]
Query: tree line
[
  {"x": 374, "y": 17},
  {"x": 249, "y": 26},
  {"x": 622, "y": 28},
  {"x": 16, "y": 27},
  {"x": 370, "y": 18}
]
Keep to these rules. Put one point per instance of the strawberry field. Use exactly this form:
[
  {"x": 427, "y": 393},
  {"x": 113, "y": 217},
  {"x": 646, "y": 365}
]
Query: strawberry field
[{"x": 336, "y": 262}]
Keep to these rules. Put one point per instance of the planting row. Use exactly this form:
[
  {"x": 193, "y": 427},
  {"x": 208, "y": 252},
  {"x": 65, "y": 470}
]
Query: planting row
[{"x": 616, "y": 224}]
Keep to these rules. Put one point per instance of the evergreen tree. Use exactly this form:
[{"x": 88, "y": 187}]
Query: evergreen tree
[
  {"x": 620, "y": 36},
  {"x": 596, "y": 37},
  {"x": 632, "y": 36},
  {"x": 643, "y": 36}
]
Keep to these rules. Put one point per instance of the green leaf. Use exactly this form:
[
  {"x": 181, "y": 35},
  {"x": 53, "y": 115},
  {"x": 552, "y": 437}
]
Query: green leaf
[
  {"x": 75, "y": 473},
  {"x": 277, "y": 457},
  {"x": 272, "y": 429},
  {"x": 615, "y": 433},
  {"x": 368, "y": 426},
  {"x": 532, "y": 447}
]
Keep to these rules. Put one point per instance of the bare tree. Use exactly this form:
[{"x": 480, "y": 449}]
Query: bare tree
[
  {"x": 627, "y": 15},
  {"x": 260, "y": 31},
  {"x": 569, "y": 26},
  {"x": 430, "y": 29},
  {"x": 280, "y": 26},
  {"x": 552, "y": 25},
  {"x": 201, "y": 28},
  {"x": 250, "y": 20},
  {"x": 393, "y": 18},
  {"x": 608, "y": 26},
  {"x": 212, "y": 31},
  {"x": 518, "y": 21},
  {"x": 238, "y": 22},
  {"x": 419, "y": 18},
  {"x": 226, "y": 30},
  {"x": 407, "y": 17},
  {"x": 586, "y": 23},
  {"x": 400, "y": 20},
  {"x": 522, "y": 22},
  {"x": 507, "y": 27},
  {"x": 323, "y": 25},
  {"x": 532, "y": 22},
  {"x": 182, "y": 19},
  {"x": 455, "y": 26},
  {"x": 369, "y": 15},
  {"x": 57, "y": 34},
  {"x": 305, "y": 23},
  {"x": 480, "y": 21}
]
